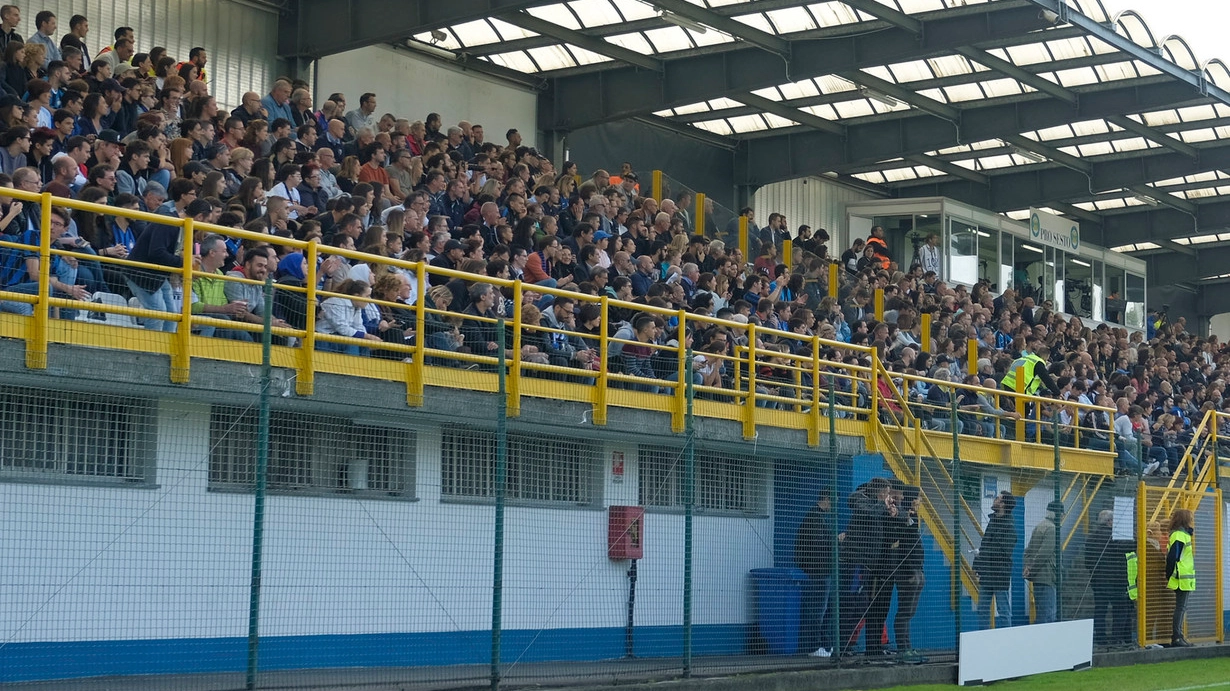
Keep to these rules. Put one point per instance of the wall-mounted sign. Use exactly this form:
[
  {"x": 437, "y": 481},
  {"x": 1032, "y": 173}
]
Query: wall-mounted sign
[{"x": 1055, "y": 231}]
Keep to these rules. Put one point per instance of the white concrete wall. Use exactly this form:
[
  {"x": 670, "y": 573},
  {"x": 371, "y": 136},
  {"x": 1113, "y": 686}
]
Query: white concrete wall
[
  {"x": 814, "y": 201},
  {"x": 1219, "y": 326},
  {"x": 411, "y": 87},
  {"x": 95, "y": 563}
]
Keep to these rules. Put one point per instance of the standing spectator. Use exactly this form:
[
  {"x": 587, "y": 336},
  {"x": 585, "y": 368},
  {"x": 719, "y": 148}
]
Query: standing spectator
[
  {"x": 929, "y": 254},
  {"x": 1104, "y": 559},
  {"x": 78, "y": 27},
  {"x": 907, "y": 575},
  {"x": 45, "y": 22},
  {"x": 364, "y": 115},
  {"x": 863, "y": 549},
  {"x": 10, "y": 17},
  {"x": 993, "y": 563},
  {"x": 813, "y": 553},
  {"x": 1040, "y": 566},
  {"x": 1181, "y": 571}
]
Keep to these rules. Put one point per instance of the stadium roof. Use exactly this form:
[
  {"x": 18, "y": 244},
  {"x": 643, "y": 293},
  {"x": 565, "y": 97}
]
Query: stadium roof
[{"x": 1005, "y": 104}]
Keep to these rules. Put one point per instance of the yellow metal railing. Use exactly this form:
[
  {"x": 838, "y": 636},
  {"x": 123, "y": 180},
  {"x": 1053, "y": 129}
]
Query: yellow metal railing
[
  {"x": 1198, "y": 468},
  {"x": 770, "y": 376}
]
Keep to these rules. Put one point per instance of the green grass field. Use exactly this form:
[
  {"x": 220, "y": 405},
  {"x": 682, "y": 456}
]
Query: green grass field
[{"x": 1193, "y": 675}]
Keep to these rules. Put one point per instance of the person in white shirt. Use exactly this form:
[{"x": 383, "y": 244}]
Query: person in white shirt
[
  {"x": 287, "y": 187},
  {"x": 929, "y": 254}
]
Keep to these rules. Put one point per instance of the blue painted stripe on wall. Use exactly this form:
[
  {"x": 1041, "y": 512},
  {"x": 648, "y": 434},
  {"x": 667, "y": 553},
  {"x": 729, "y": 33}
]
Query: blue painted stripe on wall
[{"x": 63, "y": 660}]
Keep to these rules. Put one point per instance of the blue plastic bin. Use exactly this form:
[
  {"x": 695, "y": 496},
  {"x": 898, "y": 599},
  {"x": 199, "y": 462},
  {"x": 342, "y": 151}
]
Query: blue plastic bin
[{"x": 778, "y": 594}]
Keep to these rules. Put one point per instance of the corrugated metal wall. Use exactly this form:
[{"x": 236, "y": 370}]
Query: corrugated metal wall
[
  {"x": 814, "y": 201},
  {"x": 241, "y": 39}
]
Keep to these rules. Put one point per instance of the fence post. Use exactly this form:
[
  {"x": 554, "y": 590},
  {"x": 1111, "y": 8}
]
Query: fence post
[
  {"x": 698, "y": 219},
  {"x": 971, "y": 355},
  {"x": 414, "y": 391},
  {"x": 258, "y": 505},
  {"x": 305, "y": 383},
  {"x": 501, "y": 483},
  {"x": 682, "y": 402},
  {"x": 1142, "y": 564},
  {"x": 788, "y": 253},
  {"x": 655, "y": 187},
  {"x": 833, "y": 280},
  {"x": 1058, "y": 521},
  {"x": 1219, "y": 559},
  {"x": 925, "y": 332},
  {"x": 36, "y": 345},
  {"x": 513, "y": 385},
  {"x": 743, "y": 237},
  {"x": 689, "y": 507},
  {"x": 834, "y": 543},
  {"x": 604, "y": 355},
  {"x": 749, "y": 403},
  {"x": 956, "y": 522}
]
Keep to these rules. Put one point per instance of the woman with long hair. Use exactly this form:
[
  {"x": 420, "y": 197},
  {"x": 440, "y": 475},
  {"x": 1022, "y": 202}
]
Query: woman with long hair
[
  {"x": 94, "y": 110},
  {"x": 348, "y": 174},
  {"x": 181, "y": 153},
  {"x": 1181, "y": 571},
  {"x": 15, "y": 76},
  {"x": 255, "y": 134},
  {"x": 251, "y": 196},
  {"x": 213, "y": 185}
]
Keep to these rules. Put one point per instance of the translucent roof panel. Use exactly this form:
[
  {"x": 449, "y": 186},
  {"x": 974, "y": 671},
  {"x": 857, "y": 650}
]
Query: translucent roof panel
[
  {"x": 833, "y": 13},
  {"x": 558, "y": 14},
  {"x": 792, "y": 19},
  {"x": 476, "y": 33},
  {"x": 747, "y": 123},
  {"x": 515, "y": 60},
  {"x": 552, "y": 58},
  {"x": 634, "y": 42},
  {"x": 668, "y": 39}
]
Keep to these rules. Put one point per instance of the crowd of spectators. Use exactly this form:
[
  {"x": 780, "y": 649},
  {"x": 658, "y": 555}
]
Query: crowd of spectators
[{"x": 141, "y": 131}]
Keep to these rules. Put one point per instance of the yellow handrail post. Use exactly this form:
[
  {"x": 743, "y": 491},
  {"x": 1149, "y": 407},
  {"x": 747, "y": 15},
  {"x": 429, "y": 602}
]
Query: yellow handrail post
[
  {"x": 1219, "y": 560},
  {"x": 513, "y": 409},
  {"x": 743, "y": 237},
  {"x": 181, "y": 351},
  {"x": 656, "y": 186},
  {"x": 925, "y": 335},
  {"x": 749, "y": 402},
  {"x": 698, "y": 224},
  {"x": 813, "y": 429},
  {"x": 305, "y": 383},
  {"x": 971, "y": 355},
  {"x": 36, "y": 343},
  {"x": 788, "y": 253},
  {"x": 1020, "y": 403},
  {"x": 879, "y": 304},
  {"x": 833, "y": 281},
  {"x": 874, "y": 385},
  {"x": 418, "y": 362},
  {"x": 604, "y": 355},
  {"x": 679, "y": 416},
  {"x": 1142, "y": 560}
]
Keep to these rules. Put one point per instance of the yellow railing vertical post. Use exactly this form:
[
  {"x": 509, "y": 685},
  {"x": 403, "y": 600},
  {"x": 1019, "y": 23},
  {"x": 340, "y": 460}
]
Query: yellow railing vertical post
[
  {"x": 972, "y": 355},
  {"x": 874, "y": 384},
  {"x": 1219, "y": 559},
  {"x": 656, "y": 186},
  {"x": 788, "y": 253},
  {"x": 698, "y": 222},
  {"x": 418, "y": 362},
  {"x": 879, "y": 304},
  {"x": 1020, "y": 403},
  {"x": 743, "y": 238},
  {"x": 604, "y": 356},
  {"x": 833, "y": 281},
  {"x": 749, "y": 403},
  {"x": 36, "y": 342},
  {"x": 679, "y": 417},
  {"x": 514, "y": 368},
  {"x": 1142, "y": 560},
  {"x": 925, "y": 332},
  {"x": 305, "y": 383},
  {"x": 181, "y": 351},
  {"x": 813, "y": 429},
  {"x": 415, "y": 385}
]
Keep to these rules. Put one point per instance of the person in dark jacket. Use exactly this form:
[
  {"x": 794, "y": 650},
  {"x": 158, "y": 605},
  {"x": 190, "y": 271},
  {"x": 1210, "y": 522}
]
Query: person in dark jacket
[
  {"x": 814, "y": 545},
  {"x": 906, "y": 560},
  {"x": 1113, "y": 614},
  {"x": 162, "y": 245},
  {"x": 862, "y": 549},
  {"x": 993, "y": 564}
]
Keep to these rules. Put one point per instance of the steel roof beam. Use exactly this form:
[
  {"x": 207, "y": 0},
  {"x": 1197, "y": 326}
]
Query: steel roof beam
[
  {"x": 949, "y": 168},
  {"x": 576, "y": 38},
  {"x": 761, "y": 39},
  {"x": 1163, "y": 198},
  {"x": 908, "y": 96},
  {"x": 581, "y": 100},
  {"x": 760, "y": 103}
]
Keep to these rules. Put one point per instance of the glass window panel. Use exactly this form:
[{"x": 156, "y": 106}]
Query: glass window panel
[
  {"x": 962, "y": 252},
  {"x": 952, "y": 65},
  {"x": 557, "y": 14},
  {"x": 586, "y": 57},
  {"x": 1003, "y": 87},
  {"x": 854, "y": 109},
  {"x": 756, "y": 20},
  {"x": 1116, "y": 71},
  {"x": 1026, "y": 268},
  {"x": 747, "y": 123},
  {"x": 988, "y": 256},
  {"x": 552, "y": 57},
  {"x": 1114, "y": 286},
  {"x": 1077, "y": 77},
  {"x": 476, "y": 33},
  {"x": 962, "y": 92},
  {"x": 1005, "y": 260},
  {"x": 1099, "y": 292},
  {"x": 716, "y": 126},
  {"x": 1135, "y": 308},
  {"x": 508, "y": 32},
  {"x": 709, "y": 38},
  {"x": 516, "y": 60},
  {"x": 912, "y": 71},
  {"x": 1078, "y": 286},
  {"x": 777, "y": 121},
  {"x": 635, "y": 42},
  {"x": 799, "y": 90},
  {"x": 833, "y": 13},
  {"x": 596, "y": 12},
  {"x": 792, "y": 19},
  {"x": 668, "y": 39}
]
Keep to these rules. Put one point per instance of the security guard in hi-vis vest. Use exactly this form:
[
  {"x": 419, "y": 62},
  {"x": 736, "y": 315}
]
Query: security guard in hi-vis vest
[
  {"x": 1181, "y": 570},
  {"x": 1032, "y": 366}
]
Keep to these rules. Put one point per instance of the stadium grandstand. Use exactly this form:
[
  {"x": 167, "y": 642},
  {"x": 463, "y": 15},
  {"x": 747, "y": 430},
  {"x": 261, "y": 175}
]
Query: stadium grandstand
[{"x": 518, "y": 342}]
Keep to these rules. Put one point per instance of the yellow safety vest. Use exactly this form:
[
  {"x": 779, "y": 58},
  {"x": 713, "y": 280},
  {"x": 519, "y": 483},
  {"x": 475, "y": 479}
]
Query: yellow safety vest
[
  {"x": 1131, "y": 573},
  {"x": 1184, "y": 577},
  {"x": 1032, "y": 382}
]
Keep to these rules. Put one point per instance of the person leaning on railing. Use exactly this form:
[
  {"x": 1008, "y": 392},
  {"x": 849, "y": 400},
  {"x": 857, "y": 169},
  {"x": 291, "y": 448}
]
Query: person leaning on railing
[{"x": 161, "y": 244}]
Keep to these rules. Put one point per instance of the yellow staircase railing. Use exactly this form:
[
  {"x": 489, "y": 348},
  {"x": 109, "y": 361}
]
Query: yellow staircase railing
[{"x": 1198, "y": 468}]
